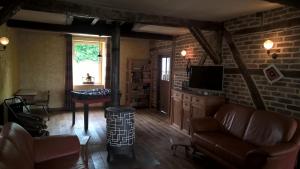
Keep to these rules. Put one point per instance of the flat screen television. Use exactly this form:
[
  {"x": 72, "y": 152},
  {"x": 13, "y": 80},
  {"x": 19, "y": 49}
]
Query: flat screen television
[{"x": 206, "y": 77}]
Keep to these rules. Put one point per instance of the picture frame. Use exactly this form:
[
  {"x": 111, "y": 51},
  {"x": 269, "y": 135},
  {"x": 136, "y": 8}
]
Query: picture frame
[{"x": 272, "y": 74}]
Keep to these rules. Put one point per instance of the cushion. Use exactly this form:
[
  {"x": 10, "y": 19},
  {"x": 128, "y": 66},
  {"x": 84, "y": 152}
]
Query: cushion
[
  {"x": 268, "y": 128},
  {"x": 10, "y": 156},
  {"x": 234, "y": 118},
  {"x": 21, "y": 139}
]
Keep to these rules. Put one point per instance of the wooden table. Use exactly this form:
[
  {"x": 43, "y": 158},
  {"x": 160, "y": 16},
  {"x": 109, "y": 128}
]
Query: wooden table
[
  {"x": 26, "y": 94},
  {"x": 86, "y": 99}
]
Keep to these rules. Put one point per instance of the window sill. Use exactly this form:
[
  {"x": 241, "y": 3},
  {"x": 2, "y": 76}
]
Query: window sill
[{"x": 87, "y": 86}]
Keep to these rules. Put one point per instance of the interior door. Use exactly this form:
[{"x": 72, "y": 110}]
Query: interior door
[{"x": 164, "y": 85}]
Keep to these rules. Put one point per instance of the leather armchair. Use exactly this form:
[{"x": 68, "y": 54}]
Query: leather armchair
[
  {"x": 48, "y": 148},
  {"x": 19, "y": 150}
]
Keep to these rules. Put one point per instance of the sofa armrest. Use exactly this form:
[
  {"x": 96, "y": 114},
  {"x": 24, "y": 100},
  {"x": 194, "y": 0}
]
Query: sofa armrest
[
  {"x": 259, "y": 157},
  {"x": 276, "y": 150},
  {"x": 47, "y": 148},
  {"x": 205, "y": 124}
]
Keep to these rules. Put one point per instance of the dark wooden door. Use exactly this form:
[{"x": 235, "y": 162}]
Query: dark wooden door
[{"x": 164, "y": 85}]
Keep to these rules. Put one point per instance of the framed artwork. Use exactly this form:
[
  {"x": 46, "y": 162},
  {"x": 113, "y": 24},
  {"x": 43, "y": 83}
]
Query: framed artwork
[{"x": 272, "y": 74}]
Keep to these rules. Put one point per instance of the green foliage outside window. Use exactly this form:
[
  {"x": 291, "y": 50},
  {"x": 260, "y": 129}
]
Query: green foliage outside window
[{"x": 86, "y": 52}]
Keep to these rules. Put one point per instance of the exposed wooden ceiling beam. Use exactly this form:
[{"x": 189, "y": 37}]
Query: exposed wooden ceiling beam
[
  {"x": 103, "y": 13},
  {"x": 101, "y": 29},
  {"x": 9, "y": 9},
  {"x": 294, "y": 3},
  {"x": 217, "y": 59}
]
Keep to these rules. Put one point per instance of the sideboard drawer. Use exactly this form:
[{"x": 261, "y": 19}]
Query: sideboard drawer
[
  {"x": 177, "y": 95},
  {"x": 187, "y": 97}
]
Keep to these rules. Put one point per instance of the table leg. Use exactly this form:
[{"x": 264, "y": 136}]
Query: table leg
[
  {"x": 86, "y": 117},
  {"x": 73, "y": 113}
]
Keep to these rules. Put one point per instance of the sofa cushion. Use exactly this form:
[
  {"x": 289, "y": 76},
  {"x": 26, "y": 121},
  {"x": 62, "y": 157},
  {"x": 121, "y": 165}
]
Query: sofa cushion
[
  {"x": 21, "y": 139},
  {"x": 234, "y": 118},
  {"x": 11, "y": 157},
  {"x": 228, "y": 147},
  {"x": 268, "y": 128},
  {"x": 68, "y": 162}
]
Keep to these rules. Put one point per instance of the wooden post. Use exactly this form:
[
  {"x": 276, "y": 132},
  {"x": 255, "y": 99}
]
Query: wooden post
[
  {"x": 115, "y": 65},
  {"x": 257, "y": 99}
]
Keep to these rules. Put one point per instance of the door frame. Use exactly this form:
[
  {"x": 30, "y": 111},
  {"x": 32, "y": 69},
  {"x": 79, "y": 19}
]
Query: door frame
[
  {"x": 158, "y": 78},
  {"x": 159, "y": 81}
]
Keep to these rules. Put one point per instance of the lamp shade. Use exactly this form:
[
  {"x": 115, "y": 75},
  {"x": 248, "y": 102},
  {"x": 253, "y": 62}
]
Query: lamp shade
[
  {"x": 268, "y": 44},
  {"x": 4, "y": 41},
  {"x": 183, "y": 53}
]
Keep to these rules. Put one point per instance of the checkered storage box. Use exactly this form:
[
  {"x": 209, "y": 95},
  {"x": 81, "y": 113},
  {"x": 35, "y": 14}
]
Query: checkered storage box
[{"x": 120, "y": 129}]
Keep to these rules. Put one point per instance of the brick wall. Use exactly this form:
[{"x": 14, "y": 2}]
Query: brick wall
[{"x": 282, "y": 96}]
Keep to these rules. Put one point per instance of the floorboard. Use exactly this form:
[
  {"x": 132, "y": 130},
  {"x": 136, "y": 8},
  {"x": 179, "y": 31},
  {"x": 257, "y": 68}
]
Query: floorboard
[{"x": 153, "y": 140}]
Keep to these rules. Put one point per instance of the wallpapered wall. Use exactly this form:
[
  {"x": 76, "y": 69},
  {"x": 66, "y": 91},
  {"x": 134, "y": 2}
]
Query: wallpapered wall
[
  {"x": 38, "y": 62},
  {"x": 42, "y": 63},
  {"x": 9, "y": 74},
  {"x": 130, "y": 48}
]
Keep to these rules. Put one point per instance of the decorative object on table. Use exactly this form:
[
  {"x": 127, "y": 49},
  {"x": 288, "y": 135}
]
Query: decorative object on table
[
  {"x": 120, "y": 131},
  {"x": 87, "y": 97},
  {"x": 272, "y": 74},
  {"x": 88, "y": 79}
]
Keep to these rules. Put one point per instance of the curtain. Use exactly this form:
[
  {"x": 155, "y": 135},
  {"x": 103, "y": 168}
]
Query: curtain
[
  {"x": 69, "y": 74},
  {"x": 108, "y": 63}
]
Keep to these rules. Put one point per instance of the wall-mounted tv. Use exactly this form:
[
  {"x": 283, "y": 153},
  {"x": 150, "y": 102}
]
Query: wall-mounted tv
[{"x": 206, "y": 77}]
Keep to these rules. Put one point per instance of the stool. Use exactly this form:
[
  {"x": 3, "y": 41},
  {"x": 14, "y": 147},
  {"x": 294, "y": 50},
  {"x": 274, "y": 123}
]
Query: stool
[{"x": 84, "y": 147}]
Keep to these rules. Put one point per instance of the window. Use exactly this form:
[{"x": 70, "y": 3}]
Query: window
[
  {"x": 165, "y": 68},
  {"x": 86, "y": 62}
]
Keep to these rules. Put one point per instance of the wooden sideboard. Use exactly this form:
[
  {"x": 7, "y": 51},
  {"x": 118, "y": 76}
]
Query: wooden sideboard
[{"x": 188, "y": 105}]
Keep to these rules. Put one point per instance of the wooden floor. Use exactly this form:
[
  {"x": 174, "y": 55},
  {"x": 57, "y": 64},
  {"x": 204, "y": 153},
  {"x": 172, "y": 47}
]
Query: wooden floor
[{"x": 153, "y": 140}]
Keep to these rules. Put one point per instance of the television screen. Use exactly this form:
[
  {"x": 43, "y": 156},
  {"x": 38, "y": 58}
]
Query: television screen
[{"x": 206, "y": 77}]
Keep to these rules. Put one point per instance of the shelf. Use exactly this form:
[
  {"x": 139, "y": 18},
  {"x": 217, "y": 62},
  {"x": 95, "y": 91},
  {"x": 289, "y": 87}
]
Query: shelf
[{"x": 138, "y": 82}]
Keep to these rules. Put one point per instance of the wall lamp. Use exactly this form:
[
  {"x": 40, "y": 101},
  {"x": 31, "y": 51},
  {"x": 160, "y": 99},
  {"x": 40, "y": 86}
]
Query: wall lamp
[
  {"x": 188, "y": 64},
  {"x": 4, "y": 41},
  {"x": 268, "y": 45}
]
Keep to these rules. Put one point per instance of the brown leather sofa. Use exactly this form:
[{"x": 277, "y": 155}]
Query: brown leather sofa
[
  {"x": 244, "y": 138},
  {"x": 18, "y": 150}
]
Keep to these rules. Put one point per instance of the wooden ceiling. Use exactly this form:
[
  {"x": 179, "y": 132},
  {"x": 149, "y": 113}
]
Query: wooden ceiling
[{"x": 80, "y": 14}]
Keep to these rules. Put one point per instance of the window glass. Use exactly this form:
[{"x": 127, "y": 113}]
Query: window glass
[
  {"x": 165, "y": 68},
  {"x": 86, "y": 62}
]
